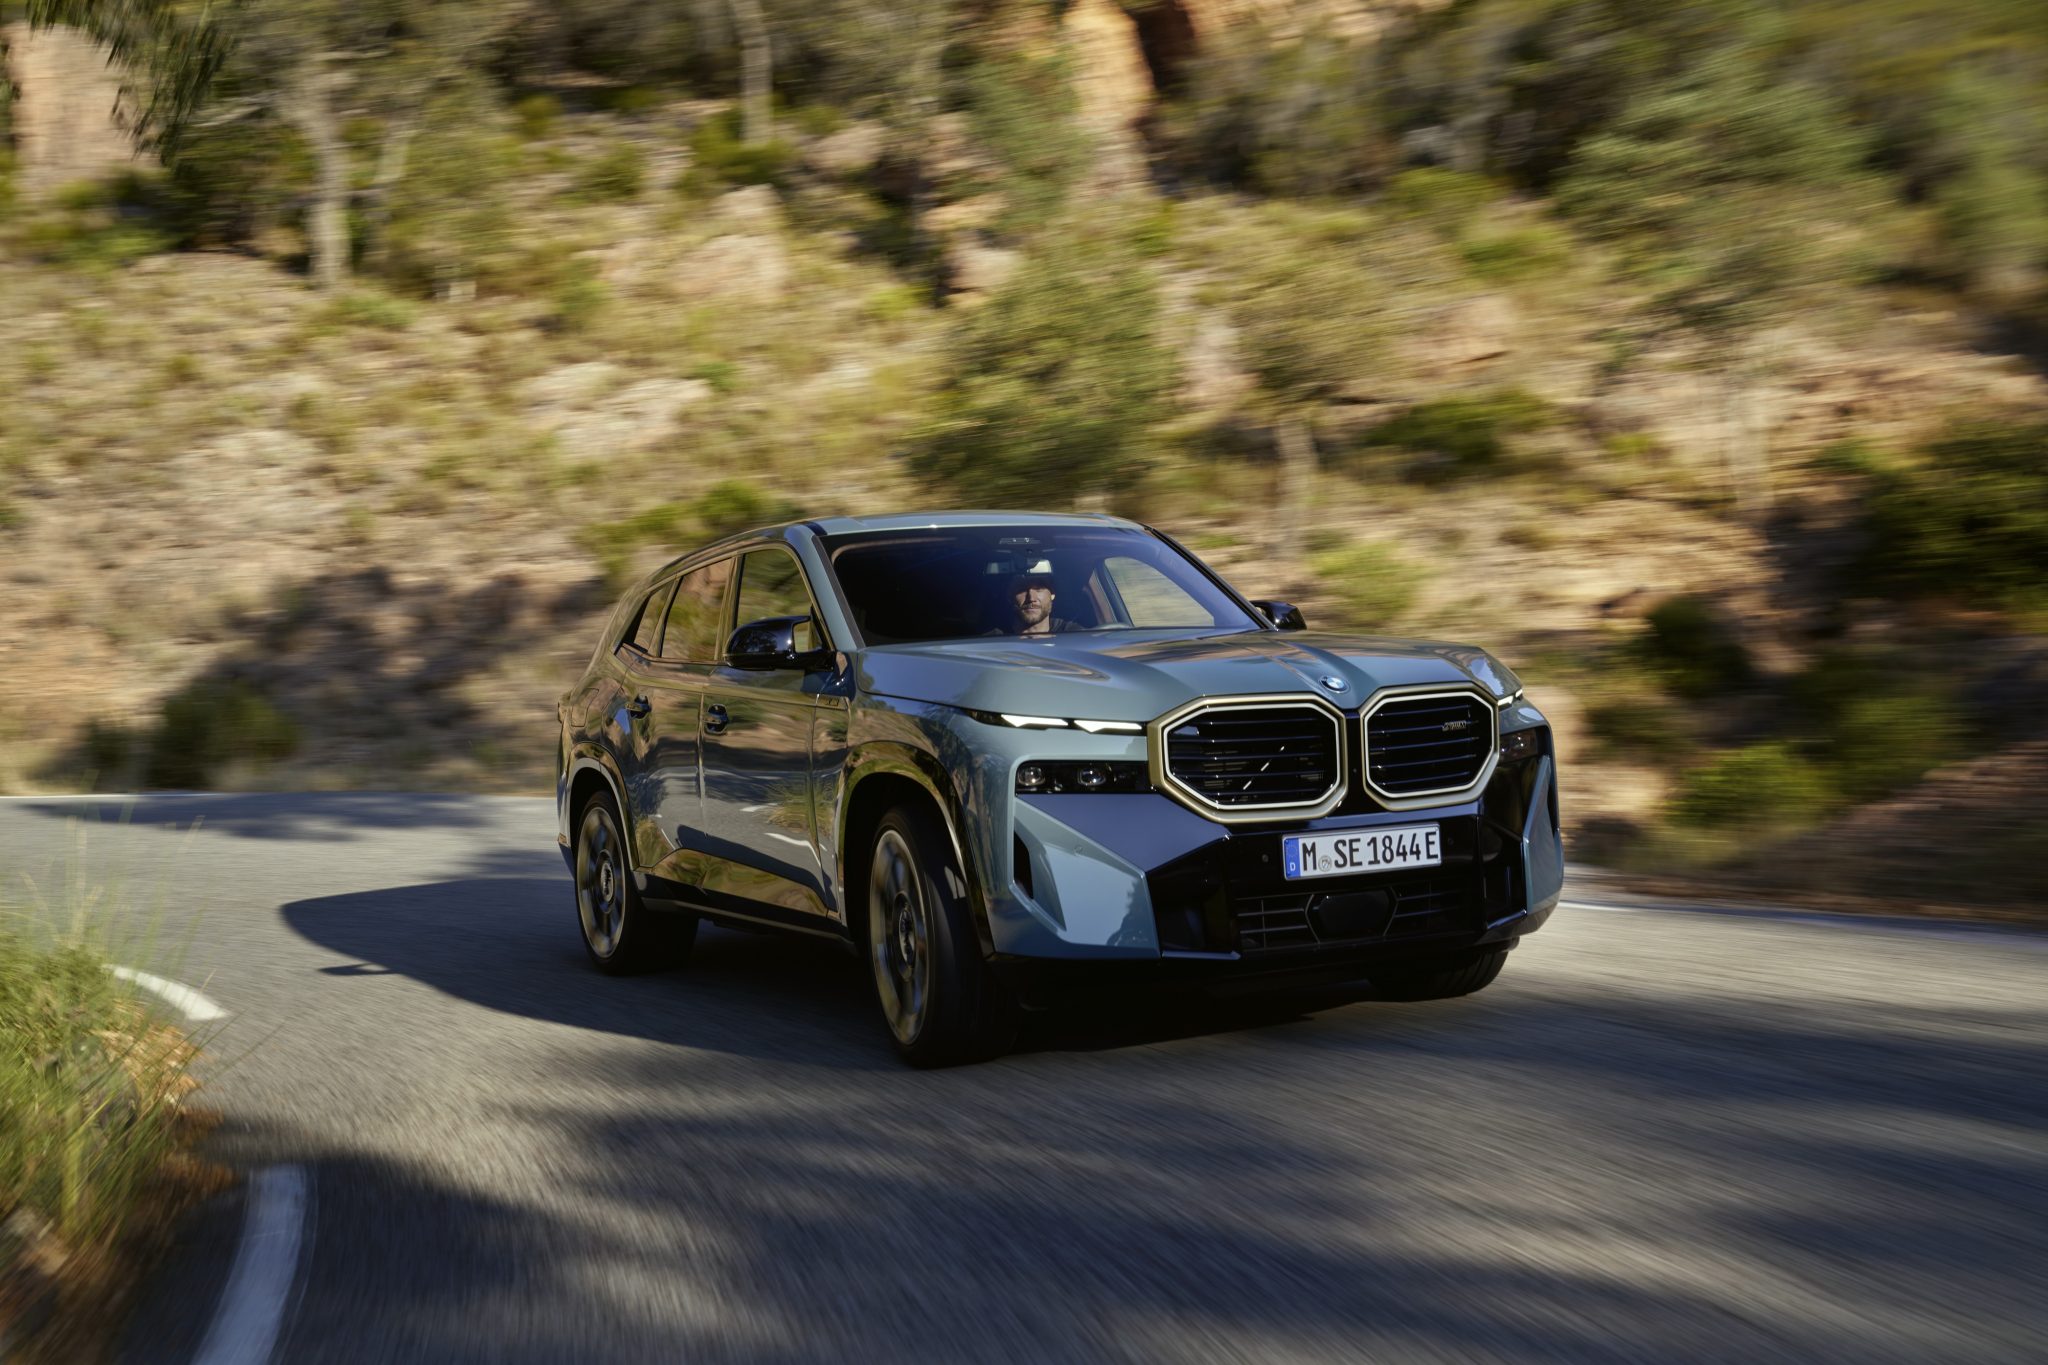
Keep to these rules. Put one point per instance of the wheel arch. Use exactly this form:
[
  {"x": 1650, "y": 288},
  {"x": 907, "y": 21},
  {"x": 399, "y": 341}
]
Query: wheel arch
[
  {"x": 881, "y": 777},
  {"x": 589, "y": 773}
]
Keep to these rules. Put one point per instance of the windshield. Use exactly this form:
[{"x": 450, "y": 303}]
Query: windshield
[{"x": 955, "y": 583}]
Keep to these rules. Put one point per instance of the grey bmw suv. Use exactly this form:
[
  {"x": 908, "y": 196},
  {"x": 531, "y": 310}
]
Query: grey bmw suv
[{"x": 998, "y": 755}]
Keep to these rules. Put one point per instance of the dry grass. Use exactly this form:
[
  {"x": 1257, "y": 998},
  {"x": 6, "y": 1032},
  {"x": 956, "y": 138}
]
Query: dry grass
[{"x": 98, "y": 1121}]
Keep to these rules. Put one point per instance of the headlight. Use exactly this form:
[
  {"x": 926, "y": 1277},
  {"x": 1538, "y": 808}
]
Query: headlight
[
  {"x": 1093, "y": 727},
  {"x": 1520, "y": 745},
  {"x": 1039, "y": 777}
]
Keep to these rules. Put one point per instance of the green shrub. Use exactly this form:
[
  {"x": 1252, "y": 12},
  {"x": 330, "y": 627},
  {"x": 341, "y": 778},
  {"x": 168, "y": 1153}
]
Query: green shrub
[
  {"x": 537, "y": 115},
  {"x": 631, "y": 101},
  {"x": 1295, "y": 116},
  {"x": 451, "y": 216},
  {"x": 1878, "y": 721},
  {"x": 1371, "y": 584},
  {"x": 1769, "y": 785},
  {"x": 368, "y": 308},
  {"x": 719, "y": 156},
  {"x": 818, "y": 120},
  {"x": 1518, "y": 254},
  {"x": 1023, "y": 109},
  {"x": 1637, "y": 723},
  {"x": 892, "y": 302},
  {"x": 90, "y": 1086},
  {"x": 1968, "y": 518},
  {"x": 1466, "y": 432},
  {"x": 614, "y": 175},
  {"x": 735, "y": 505},
  {"x": 211, "y": 723},
  {"x": 1446, "y": 200},
  {"x": 1052, "y": 389},
  {"x": 1693, "y": 648},
  {"x": 722, "y": 375},
  {"x": 580, "y": 299},
  {"x": 102, "y": 224}
]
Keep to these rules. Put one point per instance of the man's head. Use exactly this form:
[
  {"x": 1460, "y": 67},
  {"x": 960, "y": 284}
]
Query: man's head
[{"x": 1031, "y": 597}]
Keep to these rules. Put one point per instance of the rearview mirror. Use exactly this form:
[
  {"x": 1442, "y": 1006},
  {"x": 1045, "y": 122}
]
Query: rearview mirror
[
  {"x": 777, "y": 642},
  {"x": 1283, "y": 615}
]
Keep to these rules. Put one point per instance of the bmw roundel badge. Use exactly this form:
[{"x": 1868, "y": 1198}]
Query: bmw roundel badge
[{"x": 1333, "y": 682}]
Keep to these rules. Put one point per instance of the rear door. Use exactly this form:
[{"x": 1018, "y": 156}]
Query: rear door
[
  {"x": 665, "y": 782},
  {"x": 759, "y": 822}
]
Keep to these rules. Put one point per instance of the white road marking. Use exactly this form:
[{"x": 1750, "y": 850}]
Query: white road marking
[
  {"x": 788, "y": 839},
  {"x": 179, "y": 996},
  {"x": 252, "y": 1307}
]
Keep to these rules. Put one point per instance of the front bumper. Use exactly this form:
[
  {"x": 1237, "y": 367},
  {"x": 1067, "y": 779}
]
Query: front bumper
[{"x": 1138, "y": 878}]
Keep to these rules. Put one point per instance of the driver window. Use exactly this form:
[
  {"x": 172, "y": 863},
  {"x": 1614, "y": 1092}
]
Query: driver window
[
  {"x": 772, "y": 584},
  {"x": 1151, "y": 598},
  {"x": 698, "y": 612}
]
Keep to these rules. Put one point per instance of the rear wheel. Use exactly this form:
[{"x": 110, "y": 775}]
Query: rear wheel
[
  {"x": 1441, "y": 978},
  {"x": 620, "y": 933},
  {"x": 942, "y": 1003}
]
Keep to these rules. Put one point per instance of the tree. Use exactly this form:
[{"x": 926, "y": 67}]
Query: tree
[
  {"x": 1729, "y": 195},
  {"x": 757, "y": 79},
  {"x": 886, "y": 58},
  {"x": 307, "y": 63},
  {"x": 1308, "y": 324},
  {"x": 1054, "y": 386}
]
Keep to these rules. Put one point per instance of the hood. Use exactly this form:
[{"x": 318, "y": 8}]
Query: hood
[{"x": 1136, "y": 675}]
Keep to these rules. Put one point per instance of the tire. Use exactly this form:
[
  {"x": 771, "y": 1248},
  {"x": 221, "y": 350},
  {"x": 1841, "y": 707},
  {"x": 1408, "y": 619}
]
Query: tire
[
  {"x": 1441, "y": 978},
  {"x": 622, "y": 936},
  {"x": 941, "y": 1002}
]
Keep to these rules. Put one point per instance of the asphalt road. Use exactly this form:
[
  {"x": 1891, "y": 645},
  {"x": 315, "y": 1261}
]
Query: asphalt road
[{"x": 1661, "y": 1136}]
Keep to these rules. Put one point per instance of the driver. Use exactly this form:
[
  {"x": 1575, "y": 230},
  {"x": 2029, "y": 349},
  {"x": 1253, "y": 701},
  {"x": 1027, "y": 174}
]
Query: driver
[{"x": 1030, "y": 603}]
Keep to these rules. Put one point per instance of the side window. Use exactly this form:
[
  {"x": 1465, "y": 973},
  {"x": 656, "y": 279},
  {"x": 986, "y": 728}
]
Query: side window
[
  {"x": 1151, "y": 598},
  {"x": 646, "y": 631},
  {"x": 699, "y": 611},
  {"x": 771, "y": 584}
]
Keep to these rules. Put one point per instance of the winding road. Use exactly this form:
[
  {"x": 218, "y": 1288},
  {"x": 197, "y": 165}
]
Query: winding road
[{"x": 1667, "y": 1133}]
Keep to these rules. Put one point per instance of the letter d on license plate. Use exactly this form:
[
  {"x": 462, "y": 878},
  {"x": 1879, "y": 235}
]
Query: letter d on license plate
[{"x": 1361, "y": 850}]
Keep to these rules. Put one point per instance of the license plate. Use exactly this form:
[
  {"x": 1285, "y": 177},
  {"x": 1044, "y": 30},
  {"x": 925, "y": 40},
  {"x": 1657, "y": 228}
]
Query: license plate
[{"x": 1361, "y": 850}]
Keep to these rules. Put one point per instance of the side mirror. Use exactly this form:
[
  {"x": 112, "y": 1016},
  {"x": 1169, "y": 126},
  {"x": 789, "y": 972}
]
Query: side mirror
[
  {"x": 775, "y": 643},
  {"x": 1283, "y": 615}
]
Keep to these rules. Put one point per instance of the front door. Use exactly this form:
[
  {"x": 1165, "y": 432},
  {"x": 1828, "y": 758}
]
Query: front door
[{"x": 759, "y": 818}]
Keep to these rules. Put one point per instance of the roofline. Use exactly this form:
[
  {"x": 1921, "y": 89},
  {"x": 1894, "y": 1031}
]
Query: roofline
[{"x": 893, "y": 521}]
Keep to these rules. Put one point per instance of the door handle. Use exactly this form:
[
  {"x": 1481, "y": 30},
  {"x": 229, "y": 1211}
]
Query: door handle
[
  {"x": 639, "y": 706},
  {"x": 716, "y": 719}
]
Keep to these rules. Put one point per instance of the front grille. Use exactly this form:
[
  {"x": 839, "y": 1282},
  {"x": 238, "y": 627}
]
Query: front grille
[
  {"x": 1236, "y": 757},
  {"x": 1420, "y": 906},
  {"x": 1418, "y": 746}
]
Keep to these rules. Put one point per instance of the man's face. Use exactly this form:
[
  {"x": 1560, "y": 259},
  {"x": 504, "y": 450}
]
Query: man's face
[{"x": 1032, "y": 598}]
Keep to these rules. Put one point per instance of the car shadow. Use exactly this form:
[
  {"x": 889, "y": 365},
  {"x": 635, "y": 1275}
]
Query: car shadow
[{"x": 509, "y": 943}]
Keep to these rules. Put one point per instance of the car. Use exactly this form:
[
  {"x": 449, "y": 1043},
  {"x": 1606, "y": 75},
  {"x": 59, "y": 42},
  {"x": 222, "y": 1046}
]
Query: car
[{"x": 1006, "y": 756}]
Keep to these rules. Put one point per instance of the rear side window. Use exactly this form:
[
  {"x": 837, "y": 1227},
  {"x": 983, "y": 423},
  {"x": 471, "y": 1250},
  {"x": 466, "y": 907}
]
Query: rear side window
[
  {"x": 646, "y": 632},
  {"x": 771, "y": 584},
  {"x": 698, "y": 612}
]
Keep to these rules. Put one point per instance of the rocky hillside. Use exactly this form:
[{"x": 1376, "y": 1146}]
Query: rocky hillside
[{"x": 256, "y": 535}]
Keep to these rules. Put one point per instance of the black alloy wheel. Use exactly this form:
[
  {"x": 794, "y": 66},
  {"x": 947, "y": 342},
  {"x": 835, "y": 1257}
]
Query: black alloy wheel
[
  {"x": 942, "y": 1003},
  {"x": 620, "y": 933}
]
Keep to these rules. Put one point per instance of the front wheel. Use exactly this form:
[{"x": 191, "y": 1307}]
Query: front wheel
[
  {"x": 1441, "y": 978},
  {"x": 942, "y": 1003},
  {"x": 620, "y": 933}
]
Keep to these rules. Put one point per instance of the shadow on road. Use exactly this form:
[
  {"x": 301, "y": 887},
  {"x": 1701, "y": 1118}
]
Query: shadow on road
[{"x": 509, "y": 943}]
